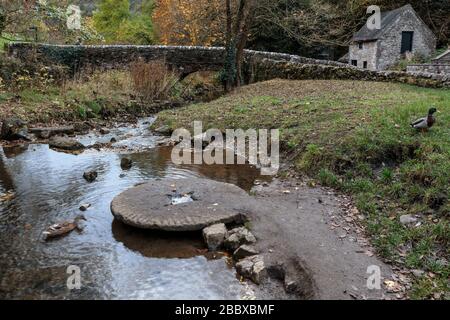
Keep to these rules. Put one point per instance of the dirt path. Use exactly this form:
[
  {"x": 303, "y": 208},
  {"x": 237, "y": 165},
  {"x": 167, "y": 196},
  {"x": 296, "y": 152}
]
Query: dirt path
[{"x": 310, "y": 232}]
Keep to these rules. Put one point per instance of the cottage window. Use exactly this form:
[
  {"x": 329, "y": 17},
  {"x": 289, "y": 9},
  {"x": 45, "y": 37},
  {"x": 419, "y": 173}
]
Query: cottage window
[
  {"x": 361, "y": 46},
  {"x": 365, "y": 64},
  {"x": 355, "y": 63}
]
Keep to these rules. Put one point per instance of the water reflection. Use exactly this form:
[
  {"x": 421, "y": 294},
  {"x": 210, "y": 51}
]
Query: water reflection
[
  {"x": 6, "y": 181},
  {"x": 159, "y": 244},
  {"x": 240, "y": 175},
  {"x": 15, "y": 150}
]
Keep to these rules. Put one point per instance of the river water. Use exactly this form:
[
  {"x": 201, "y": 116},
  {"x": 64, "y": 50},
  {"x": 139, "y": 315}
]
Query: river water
[{"x": 40, "y": 186}]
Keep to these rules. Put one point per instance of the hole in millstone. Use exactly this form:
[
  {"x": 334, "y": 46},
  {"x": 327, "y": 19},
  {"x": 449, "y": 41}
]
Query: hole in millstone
[{"x": 178, "y": 198}]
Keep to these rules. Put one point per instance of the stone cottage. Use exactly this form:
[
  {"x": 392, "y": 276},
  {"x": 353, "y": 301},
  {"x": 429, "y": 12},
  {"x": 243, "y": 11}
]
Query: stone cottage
[{"x": 402, "y": 31}]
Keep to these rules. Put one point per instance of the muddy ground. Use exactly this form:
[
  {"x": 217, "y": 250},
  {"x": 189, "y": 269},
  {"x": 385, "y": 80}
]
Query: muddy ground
[{"x": 315, "y": 237}]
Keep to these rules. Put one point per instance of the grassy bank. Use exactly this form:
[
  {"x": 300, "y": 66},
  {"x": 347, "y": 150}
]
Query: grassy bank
[{"x": 355, "y": 137}]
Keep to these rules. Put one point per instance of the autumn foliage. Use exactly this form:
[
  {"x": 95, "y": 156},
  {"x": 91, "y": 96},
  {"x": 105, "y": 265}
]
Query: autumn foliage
[
  {"x": 190, "y": 22},
  {"x": 152, "y": 80}
]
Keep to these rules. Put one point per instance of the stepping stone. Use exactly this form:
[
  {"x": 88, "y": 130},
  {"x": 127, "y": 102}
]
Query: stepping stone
[
  {"x": 214, "y": 236},
  {"x": 238, "y": 237},
  {"x": 65, "y": 143},
  {"x": 252, "y": 268},
  {"x": 244, "y": 251},
  {"x": 150, "y": 205}
]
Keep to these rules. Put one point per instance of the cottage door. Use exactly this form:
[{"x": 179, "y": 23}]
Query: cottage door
[{"x": 407, "y": 41}]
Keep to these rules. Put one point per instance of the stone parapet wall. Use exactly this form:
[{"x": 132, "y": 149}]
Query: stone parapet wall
[
  {"x": 270, "y": 69},
  {"x": 186, "y": 58},
  {"x": 443, "y": 69}
]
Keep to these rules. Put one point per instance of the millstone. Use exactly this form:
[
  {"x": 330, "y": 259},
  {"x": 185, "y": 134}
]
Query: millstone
[{"x": 150, "y": 205}]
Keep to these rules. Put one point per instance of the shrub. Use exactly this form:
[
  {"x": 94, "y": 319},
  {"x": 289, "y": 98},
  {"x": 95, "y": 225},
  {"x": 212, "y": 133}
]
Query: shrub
[
  {"x": 106, "y": 83},
  {"x": 201, "y": 86},
  {"x": 417, "y": 58},
  {"x": 153, "y": 80},
  {"x": 18, "y": 75}
]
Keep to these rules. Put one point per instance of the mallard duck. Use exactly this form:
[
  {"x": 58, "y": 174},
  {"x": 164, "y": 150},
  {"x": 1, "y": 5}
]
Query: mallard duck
[
  {"x": 425, "y": 123},
  {"x": 60, "y": 229}
]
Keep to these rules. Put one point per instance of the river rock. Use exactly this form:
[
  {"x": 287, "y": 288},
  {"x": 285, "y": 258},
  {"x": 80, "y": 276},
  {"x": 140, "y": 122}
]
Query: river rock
[
  {"x": 215, "y": 235},
  {"x": 43, "y": 135},
  {"x": 47, "y": 132},
  {"x": 244, "y": 251},
  {"x": 65, "y": 143},
  {"x": 104, "y": 131},
  {"x": 90, "y": 176},
  {"x": 252, "y": 268},
  {"x": 82, "y": 127},
  {"x": 245, "y": 267},
  {"x": 164, "y": 130},
  {"x": 149, "y": 205},
  {"x": 408, "y": 219},
  {"x": 259, "y": 273},
  {"x": 23, "y": 134},
  {"x": 14, "y": 129},
  {"x": 238, "y": 237},
  {"x": 126, "y": 163},
  {"x": 166, "y": 142}
]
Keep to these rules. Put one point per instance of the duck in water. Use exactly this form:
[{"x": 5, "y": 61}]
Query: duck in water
[{"x": 61, "y": 229}]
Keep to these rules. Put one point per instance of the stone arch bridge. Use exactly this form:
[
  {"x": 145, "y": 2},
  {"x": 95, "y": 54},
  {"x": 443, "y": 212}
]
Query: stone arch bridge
[{"x": 258, "y": 65}]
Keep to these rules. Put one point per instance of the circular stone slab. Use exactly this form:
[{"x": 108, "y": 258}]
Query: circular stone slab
[{"x": 150, "y": 205}]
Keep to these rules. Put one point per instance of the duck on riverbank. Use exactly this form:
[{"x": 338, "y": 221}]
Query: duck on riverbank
[{"x": 425, "y": 123}]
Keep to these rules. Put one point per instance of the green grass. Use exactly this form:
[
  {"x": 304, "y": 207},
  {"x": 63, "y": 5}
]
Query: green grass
[
  {"x": 355, "y": 137},
  {"x": 2, "y": 44},
  {"x": 7, "y": 38},
  {"x": 5, "y": 96}
]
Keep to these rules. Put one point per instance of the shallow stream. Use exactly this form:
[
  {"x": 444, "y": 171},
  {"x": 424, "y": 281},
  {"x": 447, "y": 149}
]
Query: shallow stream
[{"x": 40, "y": 186}]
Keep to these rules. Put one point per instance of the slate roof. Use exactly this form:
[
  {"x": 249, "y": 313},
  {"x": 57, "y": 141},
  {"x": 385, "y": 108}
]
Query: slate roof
[
  {"x": 344, "y": 58},
  {"x": 445, "y": 53},
  {"x": 387, "y": 18}
]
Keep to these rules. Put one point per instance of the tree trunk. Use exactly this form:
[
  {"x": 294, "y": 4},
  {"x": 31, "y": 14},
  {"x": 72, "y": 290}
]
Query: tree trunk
[
  {"x": 241, "y": 43},
  {"x": 236, "y": 39},
  {"x": 228, "y": 50}
]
